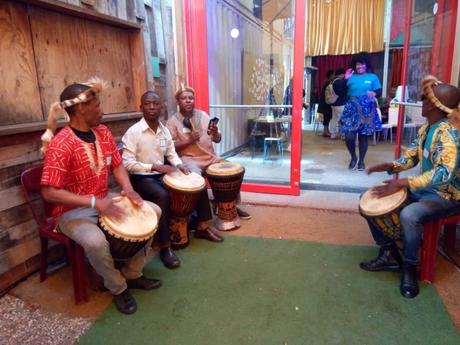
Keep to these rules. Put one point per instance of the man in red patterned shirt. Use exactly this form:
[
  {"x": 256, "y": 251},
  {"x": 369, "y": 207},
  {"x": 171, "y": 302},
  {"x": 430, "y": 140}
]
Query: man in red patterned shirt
[{"x": 75, "y": 179}]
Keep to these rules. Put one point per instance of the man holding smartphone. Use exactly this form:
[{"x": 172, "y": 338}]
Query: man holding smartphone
[{"x": 194, "y": 133}]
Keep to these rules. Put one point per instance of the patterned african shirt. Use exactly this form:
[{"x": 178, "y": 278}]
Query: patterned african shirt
[
  {"x": 79, "y": 167},
  {"x": 439, "y": 161}
]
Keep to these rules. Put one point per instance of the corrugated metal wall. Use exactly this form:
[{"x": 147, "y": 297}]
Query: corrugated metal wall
[{"x": 225, "y": 64}]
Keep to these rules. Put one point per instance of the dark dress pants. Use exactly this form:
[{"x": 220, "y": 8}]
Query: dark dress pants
[{"x": 150, "y": 187}]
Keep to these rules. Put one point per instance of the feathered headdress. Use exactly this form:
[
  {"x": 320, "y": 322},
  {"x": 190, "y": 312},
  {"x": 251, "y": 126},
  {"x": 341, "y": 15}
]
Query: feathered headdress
[
  {"x": 96, "y": 85},
  {"x": 452, "y": 114}
]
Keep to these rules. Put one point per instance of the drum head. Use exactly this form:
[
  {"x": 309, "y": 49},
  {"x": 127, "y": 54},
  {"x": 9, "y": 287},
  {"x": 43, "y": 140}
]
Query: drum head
[
  {"x": 139, "y": 223},
  {"x": 179, "y": 181},
  {"x": 372, "y": 206},
  {"x": 225, "y": 168}
]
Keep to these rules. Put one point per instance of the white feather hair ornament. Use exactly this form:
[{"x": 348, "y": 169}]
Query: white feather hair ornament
[{"x": 96, "y": 85}]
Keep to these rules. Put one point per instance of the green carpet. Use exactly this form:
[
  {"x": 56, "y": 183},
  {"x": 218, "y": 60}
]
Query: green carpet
[{"x": 266, "y": 291}]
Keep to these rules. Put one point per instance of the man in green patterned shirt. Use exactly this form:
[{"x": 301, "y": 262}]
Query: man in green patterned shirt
[{"x": 434, "y": 192}]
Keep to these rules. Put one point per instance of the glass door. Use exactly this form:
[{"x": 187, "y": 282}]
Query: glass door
[
  {"x": 428, "y": 33},
  {"x": 245, "y": 60}
]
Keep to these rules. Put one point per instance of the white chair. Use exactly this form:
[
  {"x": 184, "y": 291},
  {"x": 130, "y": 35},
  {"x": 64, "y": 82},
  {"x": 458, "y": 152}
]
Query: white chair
[
  {"x": 317, "y": 119},
  {"x": 392, "y": 122},
  {"x": 415, "y": 120}
]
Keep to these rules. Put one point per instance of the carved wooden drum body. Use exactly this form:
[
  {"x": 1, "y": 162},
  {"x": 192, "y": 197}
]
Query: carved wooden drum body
[
  {"x": 184, "y": 192},
  {"x": 384, "y": 212},
  {"x": 225, "y": 179}
]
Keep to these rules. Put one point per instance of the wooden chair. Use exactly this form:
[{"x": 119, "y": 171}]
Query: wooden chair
[
  {"x": 30, "y": 180},
  {"x": 431, "y": 232}
]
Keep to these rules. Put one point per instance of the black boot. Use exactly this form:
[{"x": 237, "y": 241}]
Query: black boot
[
  {"x": 409, "y": 281},
  {"x": 388, "y": 259}
]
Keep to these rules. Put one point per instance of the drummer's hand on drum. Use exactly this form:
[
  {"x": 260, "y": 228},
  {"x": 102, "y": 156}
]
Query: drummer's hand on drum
[
  {"x": 379, "y": 168},
  {"x": 108, "y": 207},
  {"x": 184, "y": 169},
  {"x": 133, "y": 196},
  {"x": 389, "y": 187},
  {"x": 164, "y": 169}
]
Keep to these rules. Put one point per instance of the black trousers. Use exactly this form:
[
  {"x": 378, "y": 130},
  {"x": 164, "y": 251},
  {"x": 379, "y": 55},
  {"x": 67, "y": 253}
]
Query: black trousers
[{"x": 151, "y": 188}]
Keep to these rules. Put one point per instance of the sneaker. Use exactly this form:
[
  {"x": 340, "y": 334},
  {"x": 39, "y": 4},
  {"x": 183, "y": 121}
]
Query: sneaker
[
  {"x": 243, "y": 214},
  {"x": 125, "y": 302},
  {"x": 361, "y": 166}
]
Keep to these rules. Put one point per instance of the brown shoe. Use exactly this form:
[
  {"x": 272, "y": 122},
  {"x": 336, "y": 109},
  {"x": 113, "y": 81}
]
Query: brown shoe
[{"x": 208, "y": 234}]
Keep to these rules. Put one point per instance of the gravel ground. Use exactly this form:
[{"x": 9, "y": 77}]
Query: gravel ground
[{"x": 17, "y": 319}]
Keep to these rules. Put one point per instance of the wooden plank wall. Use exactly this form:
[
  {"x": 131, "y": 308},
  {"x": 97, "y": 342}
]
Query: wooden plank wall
[
  {"x": 19, "y": 243},
  {"x": 19, "y": 95},
  {"x": 70, "y": 49},
  {"x": 29, "y": 86}
]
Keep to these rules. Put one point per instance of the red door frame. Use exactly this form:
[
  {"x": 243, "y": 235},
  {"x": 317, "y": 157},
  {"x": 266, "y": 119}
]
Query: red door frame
[
  {"x": 197, "y": 77},
  {"x": 400, "y": 127},
  {"x": 441, "y": 26},
  {"x": 439, "y": 23}
]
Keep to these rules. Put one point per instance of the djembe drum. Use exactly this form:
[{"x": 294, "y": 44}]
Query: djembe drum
[
  {"x": 384, "y": 212},
  {"x": 225, "y": 179},
  {"x": 126, "y": 236},
  {"x": 184, "y": 192}
]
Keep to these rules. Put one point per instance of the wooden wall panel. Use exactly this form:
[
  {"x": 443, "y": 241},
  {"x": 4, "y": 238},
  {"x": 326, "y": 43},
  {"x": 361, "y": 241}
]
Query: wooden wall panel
[
  {"x": 66, "y": 48},
  {"x": 11, "y": 197},
  {"x": 15, "y": 255},
  {"x": 19, "y": 96},
  {"x": 19, "y": 154},
  {"x": 70, "y": 49}
]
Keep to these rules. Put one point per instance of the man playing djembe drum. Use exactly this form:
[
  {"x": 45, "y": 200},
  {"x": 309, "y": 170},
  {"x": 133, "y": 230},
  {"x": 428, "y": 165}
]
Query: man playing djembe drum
[
  {"x": 435, "y": 192},
  {"x": 75, "y": 179},
  {"x": 146, "y": 144},
  {"x": 193, "y": 137}
]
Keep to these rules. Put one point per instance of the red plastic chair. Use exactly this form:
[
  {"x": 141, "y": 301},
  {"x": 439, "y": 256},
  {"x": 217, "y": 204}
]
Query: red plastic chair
[
  {"x": 30, "y": 180},
  {"x": 431, "y": 232}
]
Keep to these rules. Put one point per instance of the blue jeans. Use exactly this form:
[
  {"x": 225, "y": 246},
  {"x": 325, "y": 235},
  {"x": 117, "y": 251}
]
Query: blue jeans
[{"x": 426, "y": 205}]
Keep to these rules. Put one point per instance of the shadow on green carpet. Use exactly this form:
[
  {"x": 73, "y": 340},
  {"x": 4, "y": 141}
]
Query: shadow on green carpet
[{"x": 266, "y": 291}]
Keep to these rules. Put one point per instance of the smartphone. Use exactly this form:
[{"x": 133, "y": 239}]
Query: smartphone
[{"x": 212, "y": 123}]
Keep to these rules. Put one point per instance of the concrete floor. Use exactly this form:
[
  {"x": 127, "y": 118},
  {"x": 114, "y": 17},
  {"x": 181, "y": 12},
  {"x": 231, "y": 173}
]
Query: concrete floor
[{"x": 324, "y": 164}]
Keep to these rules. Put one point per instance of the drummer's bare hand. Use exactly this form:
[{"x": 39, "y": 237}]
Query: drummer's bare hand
[
  {"x": 166, "y": 169},
  {"x": 379, "y": 168},
  {"x": 389, "y": 187},
  {"x": 133, "y": 196},
  {"x": 108, "y": 207},
  {"x": 184, "y": 169}
]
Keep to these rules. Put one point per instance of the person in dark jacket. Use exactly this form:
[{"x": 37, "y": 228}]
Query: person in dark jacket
[
  {"x": 339, "y": 85},
  {"x": 323, "y": 107}
]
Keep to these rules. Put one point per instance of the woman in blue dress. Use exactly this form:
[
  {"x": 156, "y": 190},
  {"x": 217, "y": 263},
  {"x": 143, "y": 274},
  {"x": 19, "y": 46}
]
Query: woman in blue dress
[{"x": 360, "y": 117}]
